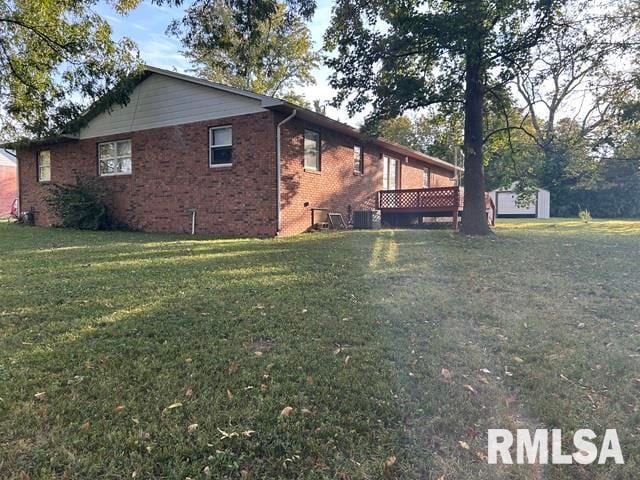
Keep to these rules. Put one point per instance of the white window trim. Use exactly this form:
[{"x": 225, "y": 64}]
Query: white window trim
[
  {"x": 212, "y": 146},
  {"x": 304, "y": 154},
  {"x": 361, "y": 159},
  {"x": 115, "y": 149},
  {"x": 39, "y": 168}
]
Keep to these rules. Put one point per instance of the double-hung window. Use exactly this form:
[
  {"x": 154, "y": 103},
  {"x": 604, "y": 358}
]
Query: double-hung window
[
  {"x": 44, "y": 166},
  {"x": 220, "y": 146},
  {"x": 311, "y": 150},
  {"x": 358, "y": 159},
  {"x": 114, "y": 158}
]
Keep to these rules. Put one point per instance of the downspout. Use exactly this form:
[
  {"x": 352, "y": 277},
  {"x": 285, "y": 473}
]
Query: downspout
[
  {"x": 19, "y": 205},
  {"x": 278, "y": 163}
]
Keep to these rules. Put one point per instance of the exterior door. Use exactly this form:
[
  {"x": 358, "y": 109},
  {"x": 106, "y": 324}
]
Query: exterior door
[{"x": 389, "y": 173}]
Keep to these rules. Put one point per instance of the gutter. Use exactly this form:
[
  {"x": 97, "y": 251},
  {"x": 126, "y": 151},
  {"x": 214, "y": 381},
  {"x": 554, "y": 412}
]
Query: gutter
[
  {"x": 278, "y": 164},
  {"x": 335, "y": 125}
]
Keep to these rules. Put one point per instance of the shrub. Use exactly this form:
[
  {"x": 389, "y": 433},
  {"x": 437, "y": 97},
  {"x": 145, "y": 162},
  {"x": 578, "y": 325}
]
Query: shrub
[
  {"x": 80, "y": 206},
  {"x": 584, "y": 215}
]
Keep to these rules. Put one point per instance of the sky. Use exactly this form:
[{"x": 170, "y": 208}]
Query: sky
[{"x": 147, "y": 23}]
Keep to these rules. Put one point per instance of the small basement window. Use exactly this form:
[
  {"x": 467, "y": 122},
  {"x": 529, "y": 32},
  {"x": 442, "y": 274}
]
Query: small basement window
[
  {"x": 114, "y": 158},
  {"x": 311, "y": 150},
  {"x": 44, "y": 166},
  {"x": 358, "y": 159},
  {"x": 220, "y": 146}
]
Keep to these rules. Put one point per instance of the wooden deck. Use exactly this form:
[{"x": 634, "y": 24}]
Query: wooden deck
[{"x": 434, "y": 202}]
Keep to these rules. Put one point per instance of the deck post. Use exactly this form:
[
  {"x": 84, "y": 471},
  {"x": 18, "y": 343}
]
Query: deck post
[{"x": 456, "y": 206}]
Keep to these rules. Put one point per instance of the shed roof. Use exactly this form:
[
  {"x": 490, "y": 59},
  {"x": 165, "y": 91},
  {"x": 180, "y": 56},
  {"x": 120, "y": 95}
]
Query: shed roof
[{"x": 513, "y": 187}]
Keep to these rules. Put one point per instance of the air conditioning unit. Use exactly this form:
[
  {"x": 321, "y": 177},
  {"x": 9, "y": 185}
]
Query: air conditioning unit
[{"x": 367, "y": 219}]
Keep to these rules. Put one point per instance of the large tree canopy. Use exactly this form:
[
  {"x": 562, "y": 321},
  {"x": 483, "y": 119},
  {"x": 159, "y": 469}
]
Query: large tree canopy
[
  {"x": 56, "y": 57},
  {"x": 270, "y": 55},
  {"x": 409, "y": 55}
]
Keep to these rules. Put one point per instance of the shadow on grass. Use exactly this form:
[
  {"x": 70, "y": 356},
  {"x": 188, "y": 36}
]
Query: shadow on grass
[{"x": 357, "y": 327}]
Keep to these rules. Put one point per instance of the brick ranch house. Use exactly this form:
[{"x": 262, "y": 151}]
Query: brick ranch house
[{"x": 247, "y": 164}]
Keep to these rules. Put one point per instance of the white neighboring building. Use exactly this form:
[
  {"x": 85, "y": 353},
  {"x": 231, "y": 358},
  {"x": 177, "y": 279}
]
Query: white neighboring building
[{"x": 505, "y": 202}]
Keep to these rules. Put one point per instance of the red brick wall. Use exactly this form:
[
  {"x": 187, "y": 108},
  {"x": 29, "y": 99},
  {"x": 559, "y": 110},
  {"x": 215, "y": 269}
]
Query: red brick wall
[
  {"x": 170, "y": 174},
  {"x": 412, "y": 175},
  {"x": 336, "y": 186},
  {"x": 8, "y": 189}
]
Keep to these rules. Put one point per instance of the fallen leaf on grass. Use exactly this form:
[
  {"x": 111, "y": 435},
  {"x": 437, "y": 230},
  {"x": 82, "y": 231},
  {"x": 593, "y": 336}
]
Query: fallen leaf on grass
[
  {"x": 173, "y": 406},
  {"x": 192, "y": 428},
  {"x": 207, "y": 471},
  {"x": 463, "y": 444},
  {"x": 518, "y": 360},
  {"x": 471, "y": 389},
  {"x": 229, "y": 395},
  {"x": 306, "y": 411},
  {"x": 227, "y": 435},
  {"x": 119, "y": 408},
  {"x": 188, "y": 393},
  {"x": 346, "y": 360},
  {"x": 481, "y": 456},
  {"x": 40, "y": 395},
  {"x": 485, "y": 370},
  {"x": 85, "y": 425},
  {"x": 389, "y": 462},
  {"x": 510, "y": 399},
  {"x": 309, "y": 380},
  {"x": 233, "y": 367},
  {"x": 188, "y": 360},
  {"x": 446, "y": 375},
  {"x": 286, "y": 411},
  {"x": 483, "y": 380},
  {"x": 258, "y": 354}
]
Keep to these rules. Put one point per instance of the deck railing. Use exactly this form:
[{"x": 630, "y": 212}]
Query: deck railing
[{"x": 420, "y": 199}]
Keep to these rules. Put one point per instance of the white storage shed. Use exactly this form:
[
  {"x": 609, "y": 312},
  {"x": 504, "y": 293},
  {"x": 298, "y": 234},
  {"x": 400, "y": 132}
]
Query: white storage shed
[{"x": 507, "y": 206}]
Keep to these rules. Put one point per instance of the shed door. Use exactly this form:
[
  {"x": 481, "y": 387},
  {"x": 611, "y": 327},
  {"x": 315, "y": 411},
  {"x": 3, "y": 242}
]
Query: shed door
[{"x": 507, "y": 205}]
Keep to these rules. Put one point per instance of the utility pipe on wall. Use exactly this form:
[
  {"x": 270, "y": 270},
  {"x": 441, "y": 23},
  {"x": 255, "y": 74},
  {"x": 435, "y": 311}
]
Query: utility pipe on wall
[
  {"x": 192, "y": 211},
  {"x": 278, "y": 161}
]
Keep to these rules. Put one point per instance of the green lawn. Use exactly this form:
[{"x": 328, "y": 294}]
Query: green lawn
[{"x": 114, "y": 345}]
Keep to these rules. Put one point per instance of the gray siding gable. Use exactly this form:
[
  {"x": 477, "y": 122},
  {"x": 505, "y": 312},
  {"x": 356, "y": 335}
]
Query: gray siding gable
[{"x": 162, "y": 101}]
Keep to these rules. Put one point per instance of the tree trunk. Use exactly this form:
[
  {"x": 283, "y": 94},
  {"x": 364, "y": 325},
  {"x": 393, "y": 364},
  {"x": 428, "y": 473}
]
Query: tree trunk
[{"x": 474, "y": 220}]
